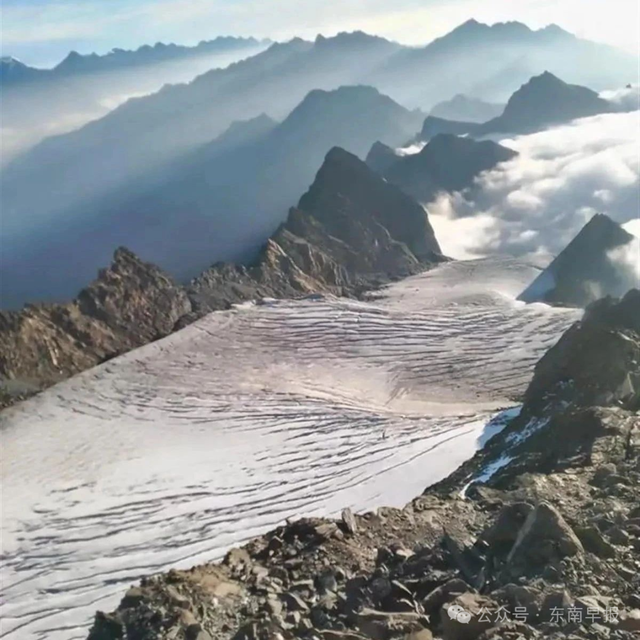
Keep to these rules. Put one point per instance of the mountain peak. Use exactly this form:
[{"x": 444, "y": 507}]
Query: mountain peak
[
  {"x": 345, "y": 187},
  {"x": 472, "y": 26},
  {"x": 592, "y": 265},
  {"x": 545, "y": 100},
  {"x": 553, "y": 30}
]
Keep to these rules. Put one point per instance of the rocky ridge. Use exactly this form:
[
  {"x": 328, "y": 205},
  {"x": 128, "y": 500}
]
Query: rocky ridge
[
  {"x": 538, "y": 536},
  {"x": 351, "y": 231},
  {"x": 130, "y": 304}
]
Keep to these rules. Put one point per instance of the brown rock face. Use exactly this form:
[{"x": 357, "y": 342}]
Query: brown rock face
[{"x": 130, "y": 304}]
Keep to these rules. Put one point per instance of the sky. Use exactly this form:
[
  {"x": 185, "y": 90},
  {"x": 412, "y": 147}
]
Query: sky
[{"x": 42, "y": 32}]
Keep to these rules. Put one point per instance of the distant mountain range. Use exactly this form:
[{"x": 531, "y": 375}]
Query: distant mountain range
[
  {"x": 601, "y": 260},
  {"x": 13, "y": 72},
  {"x": 148, "y": 169},
  {"x": 350, "y": 231},
  {"x": 39, "y": 103},
  {"x": 543, "y": 101}
]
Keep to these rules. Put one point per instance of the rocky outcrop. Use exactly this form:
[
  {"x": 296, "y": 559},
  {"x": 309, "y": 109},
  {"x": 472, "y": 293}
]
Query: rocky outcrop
[
  {"x": 596, "y": 362},
  {"x": 446, "y": 163},
  {"x": 545, "y": 546},
  {"x": 584, "y": 388},
  {"x": 601, "y": 260},
  {"x": 350, "y": 231},
  {"x": 130, "y": 304}
]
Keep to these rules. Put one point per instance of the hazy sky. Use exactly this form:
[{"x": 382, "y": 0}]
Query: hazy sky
[{"x": 43, "y": 31}]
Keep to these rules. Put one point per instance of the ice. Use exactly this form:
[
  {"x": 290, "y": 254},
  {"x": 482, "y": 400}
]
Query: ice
[{"x": 171, "y": 454}]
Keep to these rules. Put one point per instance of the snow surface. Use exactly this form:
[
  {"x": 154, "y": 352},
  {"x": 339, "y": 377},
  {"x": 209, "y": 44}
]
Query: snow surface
[{"x": 173, "y": 453}]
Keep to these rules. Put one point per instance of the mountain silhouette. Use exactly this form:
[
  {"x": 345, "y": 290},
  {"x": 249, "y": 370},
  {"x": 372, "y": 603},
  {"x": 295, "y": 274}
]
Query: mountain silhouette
[
  {"x": 14, "y": 72},
  {"x": 446, "y": 163},
  {"x": 546, "y": 100},
  {"x": 543, "y": 101},
  {"x": 601, "y": 260}
]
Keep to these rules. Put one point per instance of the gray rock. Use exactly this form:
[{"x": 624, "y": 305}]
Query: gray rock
[
  {"x": 544, "y": 535},
  {"x": 630, "y": 621}
]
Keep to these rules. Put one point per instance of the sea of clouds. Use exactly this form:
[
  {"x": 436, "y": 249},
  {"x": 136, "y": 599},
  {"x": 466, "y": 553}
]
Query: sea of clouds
[{"x": 534, "y": 204}]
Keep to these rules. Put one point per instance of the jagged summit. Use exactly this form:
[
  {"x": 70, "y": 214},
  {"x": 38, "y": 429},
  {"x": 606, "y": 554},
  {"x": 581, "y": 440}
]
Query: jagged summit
[
  {"x": 595, "y": 263},
  {"x": 129, "y": 304},
  {"x": 345, "y": 187},
  {"x": 380, "y": 157},
  {"x": 350, "y": 230}
]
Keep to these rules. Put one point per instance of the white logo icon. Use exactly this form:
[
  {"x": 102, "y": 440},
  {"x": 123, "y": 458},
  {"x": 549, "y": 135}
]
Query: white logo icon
[{"x": 456, "y": 612}]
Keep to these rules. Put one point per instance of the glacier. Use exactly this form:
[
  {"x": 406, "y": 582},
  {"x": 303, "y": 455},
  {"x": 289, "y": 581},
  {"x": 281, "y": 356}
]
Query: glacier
[{"x": 173, "y": 453}]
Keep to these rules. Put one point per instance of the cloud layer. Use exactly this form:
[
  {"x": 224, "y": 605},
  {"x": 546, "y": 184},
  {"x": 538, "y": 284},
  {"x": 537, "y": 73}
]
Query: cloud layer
[{"x": 537, "y": 202}]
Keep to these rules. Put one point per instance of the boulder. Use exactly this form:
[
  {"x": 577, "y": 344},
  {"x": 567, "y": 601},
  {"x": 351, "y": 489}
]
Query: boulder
[
  {"x": 349, "y": 521},
  {"x": 544, "y": 536}
]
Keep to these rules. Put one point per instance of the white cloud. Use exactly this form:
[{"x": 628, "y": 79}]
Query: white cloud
[
  {"x": 627, "y": 259},
  {"x": 633, "y": 226},
  {"x": 538, "y": 201},
  {"x": 627, "y": 98}
]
